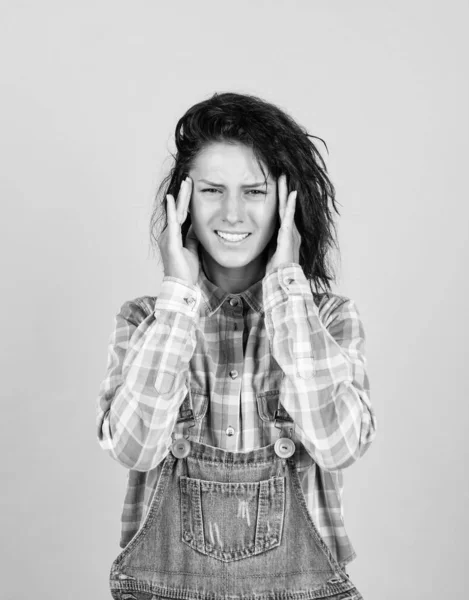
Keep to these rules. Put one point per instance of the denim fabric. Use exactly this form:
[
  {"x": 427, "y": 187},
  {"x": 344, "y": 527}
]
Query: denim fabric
[
  {"x": 228, "y": 526},
  {"x": 239, "y": 355}
]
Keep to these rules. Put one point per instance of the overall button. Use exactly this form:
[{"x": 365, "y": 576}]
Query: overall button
[
  {"x": 233, "y": 374},
  {"x": 181, "y": 448},
  {"x": 230, "y": 430},
  {"x": 284, "y": 447}
]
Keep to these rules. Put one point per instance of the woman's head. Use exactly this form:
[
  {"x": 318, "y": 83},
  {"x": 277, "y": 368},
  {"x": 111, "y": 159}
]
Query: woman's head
[{"x": 233, "y": 141}]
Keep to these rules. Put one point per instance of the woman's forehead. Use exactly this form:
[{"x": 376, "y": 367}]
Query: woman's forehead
[{"x": 229, "y": 160}]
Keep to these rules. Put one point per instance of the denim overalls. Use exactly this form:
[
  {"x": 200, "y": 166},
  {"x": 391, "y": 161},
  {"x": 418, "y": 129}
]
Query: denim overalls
[{"x": 229, "y": 526}]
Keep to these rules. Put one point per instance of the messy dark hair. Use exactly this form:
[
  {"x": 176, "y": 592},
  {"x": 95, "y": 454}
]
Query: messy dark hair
[{"x": 277, "y": 142}]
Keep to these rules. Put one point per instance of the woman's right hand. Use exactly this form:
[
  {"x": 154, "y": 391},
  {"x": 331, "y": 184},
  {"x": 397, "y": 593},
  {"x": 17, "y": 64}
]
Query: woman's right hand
[{"x": 179, "y": 261}]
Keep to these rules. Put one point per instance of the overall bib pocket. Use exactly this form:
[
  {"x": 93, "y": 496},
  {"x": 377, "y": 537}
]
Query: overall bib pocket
[{"x": 230, "y": 521}]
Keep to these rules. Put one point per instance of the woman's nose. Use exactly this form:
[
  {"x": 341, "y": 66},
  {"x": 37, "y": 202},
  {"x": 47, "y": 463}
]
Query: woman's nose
[{"x": 233, "y": 208}]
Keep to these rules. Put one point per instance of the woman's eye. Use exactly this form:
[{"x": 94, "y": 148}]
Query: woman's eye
[{"x": 215, "y": 190}]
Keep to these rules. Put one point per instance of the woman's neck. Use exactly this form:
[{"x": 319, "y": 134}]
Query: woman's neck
[{"x": 233, "y": 280}]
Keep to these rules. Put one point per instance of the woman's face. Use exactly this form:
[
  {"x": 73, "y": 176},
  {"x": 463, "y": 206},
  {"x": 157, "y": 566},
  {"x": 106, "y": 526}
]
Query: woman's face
[{"x": 230, "y": 196}]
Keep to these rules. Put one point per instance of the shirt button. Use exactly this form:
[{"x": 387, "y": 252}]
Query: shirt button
[
  {"x": 230, "y": 431},
  {"x": 234, "y": 301},
  {"x": 288, "y": 280},
  {"x": 189, "y": 301},
  {"x": 284, "y": 447},
  {"x": 233, "y": 374}
]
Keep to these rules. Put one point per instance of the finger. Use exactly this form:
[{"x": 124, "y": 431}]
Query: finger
[
  {"x": 185, "y": 199},
  {"x": 290, "y": 209},
  {"x": 282, "y": 195},
  {"x": 171, "y": 210},
  {"x": 181, "y": 201},
  {"x": 288, "y": 215}
]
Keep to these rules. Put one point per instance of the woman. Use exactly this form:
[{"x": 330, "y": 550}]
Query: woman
[{"x": 237, "y": 396}]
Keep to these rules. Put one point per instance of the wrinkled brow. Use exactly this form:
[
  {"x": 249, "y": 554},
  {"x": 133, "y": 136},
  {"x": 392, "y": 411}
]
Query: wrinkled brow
[{"x": 246, "y": 185}]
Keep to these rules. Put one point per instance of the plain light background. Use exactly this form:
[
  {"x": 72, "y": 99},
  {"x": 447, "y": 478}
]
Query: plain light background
[{"x": 91, "y": 92}]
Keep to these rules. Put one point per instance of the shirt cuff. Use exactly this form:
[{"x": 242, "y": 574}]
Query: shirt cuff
[
  {"x": 286, "y": 280},
  {"x": 178, "y": 295}
]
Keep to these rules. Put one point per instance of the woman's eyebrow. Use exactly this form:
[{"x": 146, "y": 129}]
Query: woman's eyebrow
[{"x": 255, "y": 184}]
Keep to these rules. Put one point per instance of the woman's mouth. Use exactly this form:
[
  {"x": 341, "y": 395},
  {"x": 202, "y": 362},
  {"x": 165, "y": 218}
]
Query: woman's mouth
[{"x": 231, "y": 239}]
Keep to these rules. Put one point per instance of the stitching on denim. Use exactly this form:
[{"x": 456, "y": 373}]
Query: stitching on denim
[
  {"x": 269, "y": 509},
  {"x": 171, "y": 594}
]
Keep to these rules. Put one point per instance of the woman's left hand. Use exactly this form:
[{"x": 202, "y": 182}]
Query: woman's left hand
[{"x": 288, "y": 237}]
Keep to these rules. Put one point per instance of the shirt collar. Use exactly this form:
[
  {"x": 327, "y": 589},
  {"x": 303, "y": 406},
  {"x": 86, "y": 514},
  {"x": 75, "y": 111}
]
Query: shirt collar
[{"x": 214, "y": 296}]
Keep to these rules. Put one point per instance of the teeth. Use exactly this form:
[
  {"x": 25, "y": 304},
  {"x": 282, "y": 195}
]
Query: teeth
[{"x": 232, "y": 238}]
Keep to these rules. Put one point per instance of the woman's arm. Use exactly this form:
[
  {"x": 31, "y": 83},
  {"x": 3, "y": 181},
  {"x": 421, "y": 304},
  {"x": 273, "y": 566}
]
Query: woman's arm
[
  {"x": 148, "y": 360},
  {"x": 322, "y": 353}
]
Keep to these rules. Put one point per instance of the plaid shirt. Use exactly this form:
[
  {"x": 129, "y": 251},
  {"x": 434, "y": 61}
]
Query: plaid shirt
[{"x": 235, "y": 356}]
